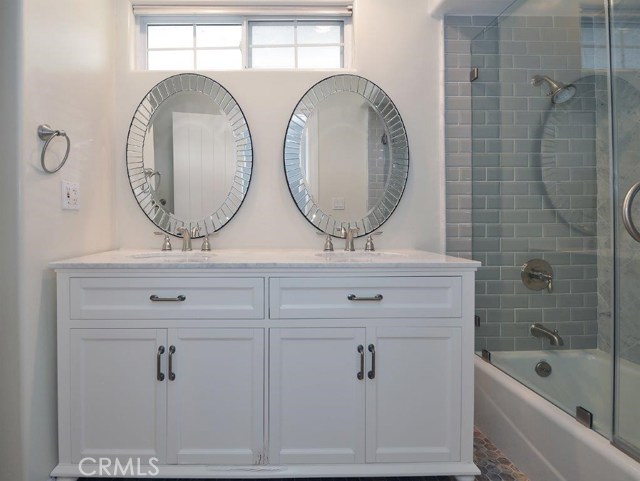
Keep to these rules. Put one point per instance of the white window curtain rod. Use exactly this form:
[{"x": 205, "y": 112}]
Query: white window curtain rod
[{"x": 331, "y": 10}]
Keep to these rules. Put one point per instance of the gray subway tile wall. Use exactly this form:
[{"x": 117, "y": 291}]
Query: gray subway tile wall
[{"x": 521, "y": 177}]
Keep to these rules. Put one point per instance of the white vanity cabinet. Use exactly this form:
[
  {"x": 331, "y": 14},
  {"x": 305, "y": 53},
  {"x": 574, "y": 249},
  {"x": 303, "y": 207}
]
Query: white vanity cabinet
[
  {"x": 256, "y": 369},
  {"x": 331, "y": 403},
  {"x": 215, "y": 396},
  {"x": 385, "y": 390},
  {"x": 113, "y": 405},
  {"x": 129, "y": 401}
]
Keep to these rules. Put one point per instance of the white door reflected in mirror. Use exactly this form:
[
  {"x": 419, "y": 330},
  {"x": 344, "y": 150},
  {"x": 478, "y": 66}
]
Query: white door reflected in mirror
[{"x": 203, "y": 163}]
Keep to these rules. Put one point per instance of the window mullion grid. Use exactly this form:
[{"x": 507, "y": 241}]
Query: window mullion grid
[
  {"x": 295, "y": 43},
  {"x": 244, "y": 43},
  {"x": 195, "y": 57}
]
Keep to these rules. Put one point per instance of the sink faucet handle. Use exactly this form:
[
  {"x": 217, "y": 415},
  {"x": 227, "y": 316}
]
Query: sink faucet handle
[
  {"x": 206, "y": 245},
  {"x": 369, "y": 247},
  {"x": 166, "y": 243},
  {"x": 328, "y": 243}
]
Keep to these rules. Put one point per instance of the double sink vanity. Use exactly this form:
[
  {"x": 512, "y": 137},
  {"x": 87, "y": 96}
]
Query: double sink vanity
[
  {"x": 239, "y": 364},
  {"x": 266, "y": 363}
]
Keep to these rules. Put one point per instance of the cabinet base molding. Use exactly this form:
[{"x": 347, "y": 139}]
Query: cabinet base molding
[{"x": 462, "y": 471}]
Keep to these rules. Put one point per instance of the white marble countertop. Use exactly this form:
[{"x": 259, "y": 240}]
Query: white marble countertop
[{"x": 257, "y": 258}]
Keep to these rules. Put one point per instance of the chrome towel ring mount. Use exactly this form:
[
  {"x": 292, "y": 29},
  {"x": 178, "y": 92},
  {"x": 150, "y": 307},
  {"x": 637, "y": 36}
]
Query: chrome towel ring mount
[{"x": 46, "y": 133}]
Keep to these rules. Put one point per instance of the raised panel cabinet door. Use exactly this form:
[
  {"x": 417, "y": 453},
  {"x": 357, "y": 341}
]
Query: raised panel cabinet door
[
  {"x": 117, "y": 402},
  {"x": 316, "y": 396},
  {"x": 413, "y": 395},
  {"x": 216, "y": 396}
]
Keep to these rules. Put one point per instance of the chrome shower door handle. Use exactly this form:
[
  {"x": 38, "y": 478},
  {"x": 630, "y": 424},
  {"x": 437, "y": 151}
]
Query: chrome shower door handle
[
  {"x": 626, "y": 212},
  {"x": 361, "y": 373}
]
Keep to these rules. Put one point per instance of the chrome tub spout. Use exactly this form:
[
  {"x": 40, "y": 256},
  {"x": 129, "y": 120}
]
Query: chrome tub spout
[{"x": 538, "y": 330}]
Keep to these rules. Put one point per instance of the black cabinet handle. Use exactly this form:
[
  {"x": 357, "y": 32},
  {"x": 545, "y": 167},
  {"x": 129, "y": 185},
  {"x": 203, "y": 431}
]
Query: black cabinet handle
[
  {"x": 159, "y": 375},
  {"x": 155, "y": 298},
  {"x": 361, "y": 351},
  {"x": 372, "y": 373},
  {"x": 172, "y": 375},
  {"x": 353, "y": 297}
]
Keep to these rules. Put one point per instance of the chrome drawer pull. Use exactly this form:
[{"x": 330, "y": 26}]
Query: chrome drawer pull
[
  {"x": 361, "y": 351},
  {"x": 353, "y": 297},
  {"x": 180, "y": 298},
  {"x": 159, "y": 375}
]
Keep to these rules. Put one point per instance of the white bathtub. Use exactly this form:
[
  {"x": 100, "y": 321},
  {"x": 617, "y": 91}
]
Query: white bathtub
[{"x": 541, "y": 439}]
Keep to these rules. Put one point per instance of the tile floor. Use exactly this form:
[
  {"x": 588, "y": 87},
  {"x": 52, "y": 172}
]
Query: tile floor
[{"x": 493, "y": 464}]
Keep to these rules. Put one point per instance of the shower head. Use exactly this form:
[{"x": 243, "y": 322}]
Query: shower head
[{"x": 559, "y": 92}]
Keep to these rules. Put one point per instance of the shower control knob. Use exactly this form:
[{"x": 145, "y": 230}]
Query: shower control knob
[{"x": 537, "y": 274}]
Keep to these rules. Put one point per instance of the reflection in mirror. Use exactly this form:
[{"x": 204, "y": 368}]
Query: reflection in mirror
[
  {"x": 568, "y": 167},
  {"x": 189, "y": 155},
  {"x": 346, "y": 155}
]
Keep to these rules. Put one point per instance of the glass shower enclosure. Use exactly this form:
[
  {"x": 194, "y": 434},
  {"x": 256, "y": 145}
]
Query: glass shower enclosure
[{"x": 555, "y": 169}]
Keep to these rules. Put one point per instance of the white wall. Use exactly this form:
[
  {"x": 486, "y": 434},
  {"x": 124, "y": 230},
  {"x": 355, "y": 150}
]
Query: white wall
[
  {"x": 11, "y": 465},
  {"x": 61, "y": 72},
  {"x": 65, "y": 77},
  {"x": 397, "y": 47}
]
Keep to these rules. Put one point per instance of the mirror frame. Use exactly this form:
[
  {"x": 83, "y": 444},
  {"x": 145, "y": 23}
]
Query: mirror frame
[
  {"x": 398, "y": 150},
  {"x": 139, "y": 180}
]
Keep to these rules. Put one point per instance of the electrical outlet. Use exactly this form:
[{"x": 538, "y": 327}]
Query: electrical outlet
[
  {"x": 70, "y": 195},
  {"x": 338, "y": 203}
]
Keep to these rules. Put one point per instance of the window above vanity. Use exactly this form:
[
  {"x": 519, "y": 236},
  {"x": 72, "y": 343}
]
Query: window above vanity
[{"x": 202, "y": 38}]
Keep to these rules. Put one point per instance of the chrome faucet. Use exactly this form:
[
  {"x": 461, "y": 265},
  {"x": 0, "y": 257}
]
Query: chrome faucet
[
  {"x": 186, "y": 238},
  {"x": 538, "y": 330},
  {"x": 348, "y": 234}
]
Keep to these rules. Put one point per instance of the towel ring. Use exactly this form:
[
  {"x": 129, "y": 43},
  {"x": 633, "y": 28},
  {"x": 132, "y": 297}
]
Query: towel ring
[{"x": 47, "y": 134}]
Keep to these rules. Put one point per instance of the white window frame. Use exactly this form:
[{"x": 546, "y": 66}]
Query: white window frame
[
  {"x": 143, "y": 21},
  {"x": 295, "y": 45}
]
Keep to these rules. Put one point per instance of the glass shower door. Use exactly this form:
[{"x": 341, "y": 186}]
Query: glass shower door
[{"x": 624, "y": 24}]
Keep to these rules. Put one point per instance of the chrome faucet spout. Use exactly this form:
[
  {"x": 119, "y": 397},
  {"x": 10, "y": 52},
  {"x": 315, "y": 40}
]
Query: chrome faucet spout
[
  {"x": 349, "y": 234},
  {"x": 538, "y": 330},
  {"x": 186, "y": 238}
]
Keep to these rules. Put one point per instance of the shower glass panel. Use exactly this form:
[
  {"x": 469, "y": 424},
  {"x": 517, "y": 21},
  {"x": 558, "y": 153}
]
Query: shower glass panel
[
  {"x": 625, "y": 70},
  {"x": 541, "y": 210}
]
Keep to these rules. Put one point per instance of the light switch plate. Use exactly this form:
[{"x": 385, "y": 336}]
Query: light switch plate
[
  {"x": 70, "y": 195},
  {"x": 338, "y": 203}
]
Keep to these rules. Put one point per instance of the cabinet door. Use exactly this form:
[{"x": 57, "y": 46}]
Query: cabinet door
[
  {"x": 216, "y": 400},
  {"x": 413, "y": 402},
  {"x": 118, "y": 405},
  {"x": 316, "y": 399}
]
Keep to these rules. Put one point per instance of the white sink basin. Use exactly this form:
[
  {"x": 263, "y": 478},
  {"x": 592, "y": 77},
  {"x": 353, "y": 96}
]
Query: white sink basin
[
  {"x": 360, "y": 256},
  {"x": 174, "y": 256}
]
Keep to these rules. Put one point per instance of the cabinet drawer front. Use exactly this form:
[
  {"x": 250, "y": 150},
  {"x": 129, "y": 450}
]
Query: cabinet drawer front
[
  {"x": 362, "y": 297},
  {"x": 175, "y": 298}
]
